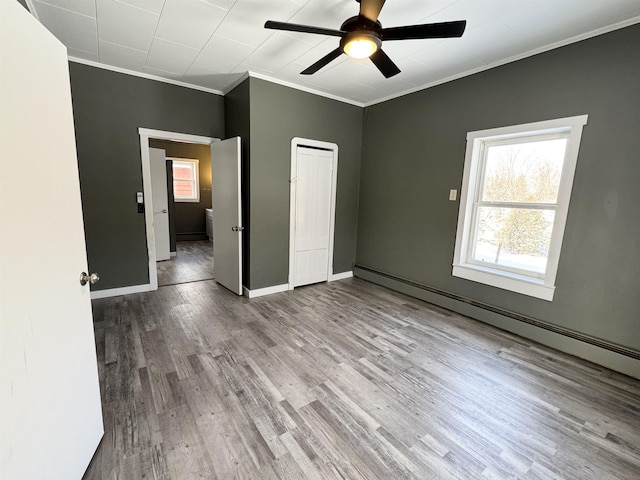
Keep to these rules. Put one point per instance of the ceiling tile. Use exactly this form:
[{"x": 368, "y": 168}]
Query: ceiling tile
[
  {"x": 209, "y": 79},
  {"x": 120, "y": 56},
  {"x": 83, "y": 7},
  {"x": 225, "y": 4},
  {"x": 314, "y": 54},
  {"x": 170, "y": 57},
  {"x": 74, "y": 30},
  {"x": 245, "y": 21},
  {"x": 153, "y": 6},
  {"x": 275, "y": 53},
  {"x": 162, "y": 73},
  {"x": 189, "y": 22},
  {"x": 327, "y": 14},
  {"x": 215, "y": 41},
  {"x": 72, "y": 52},
  {"x": 222, "y": 54},
  {"x": 126, "y": 25},
  {"x": 408, "y": 12}
]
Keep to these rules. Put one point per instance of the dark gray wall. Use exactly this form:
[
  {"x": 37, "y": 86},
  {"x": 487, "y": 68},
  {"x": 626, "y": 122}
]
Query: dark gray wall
[
  {"x": 414, "y": 153},
  {"x": 237, "y": 120},
  {"x": 279, "y": 114},
  {"x": 108, "y": 109},
  {"x": 189, "y": 217}
]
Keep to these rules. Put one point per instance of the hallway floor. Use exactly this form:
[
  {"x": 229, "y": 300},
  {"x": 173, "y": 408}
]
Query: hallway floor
[{"x": 193, "y": 263}]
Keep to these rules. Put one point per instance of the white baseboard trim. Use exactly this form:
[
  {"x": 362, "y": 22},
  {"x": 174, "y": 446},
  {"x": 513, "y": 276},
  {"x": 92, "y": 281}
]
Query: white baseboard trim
[
  {"x": 116, "y": 292},
  {"x": 173, "y": 254},
  {"x": 340, "y": 276},
  {"x": 260, "y": 292}
]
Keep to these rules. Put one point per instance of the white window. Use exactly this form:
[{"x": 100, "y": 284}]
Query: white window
[
  {"x": 186, "y": 178},
  {"x": 513, "y": 207}
]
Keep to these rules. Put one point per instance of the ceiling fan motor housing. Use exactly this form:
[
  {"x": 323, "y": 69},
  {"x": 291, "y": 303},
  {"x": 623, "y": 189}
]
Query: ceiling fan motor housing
[{"x": 360, "y": 29}]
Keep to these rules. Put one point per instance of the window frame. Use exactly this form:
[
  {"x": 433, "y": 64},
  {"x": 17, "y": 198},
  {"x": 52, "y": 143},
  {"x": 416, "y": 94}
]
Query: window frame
[
  {"x": 520, "y": 281},
  {"x": 194, "y": 165}
]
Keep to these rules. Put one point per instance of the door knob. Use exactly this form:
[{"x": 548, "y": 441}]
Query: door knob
[
  {"x": 237, "y": 229},
  {"x": 164, "y": 210},
  {"x": 85, "y": 278}
]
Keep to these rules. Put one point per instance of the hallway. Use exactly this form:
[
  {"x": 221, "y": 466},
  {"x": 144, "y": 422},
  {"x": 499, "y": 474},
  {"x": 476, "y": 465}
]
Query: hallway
[{"x": 193, "y": 263}]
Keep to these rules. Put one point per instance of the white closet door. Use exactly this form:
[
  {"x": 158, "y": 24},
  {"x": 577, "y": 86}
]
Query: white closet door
[{"x": 313, "y": 215}]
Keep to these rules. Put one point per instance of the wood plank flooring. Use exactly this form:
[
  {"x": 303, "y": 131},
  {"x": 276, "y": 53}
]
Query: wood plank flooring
[
  {"x": 345, "y": 380},
  {"x": 193, "y": 262}
]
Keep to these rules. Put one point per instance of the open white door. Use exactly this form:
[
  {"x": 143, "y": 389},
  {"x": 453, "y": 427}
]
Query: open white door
[
  {"x": 50, "y": 410},
  {"x": 160, "y": 202},
  {"x": 227, "y": 214}
]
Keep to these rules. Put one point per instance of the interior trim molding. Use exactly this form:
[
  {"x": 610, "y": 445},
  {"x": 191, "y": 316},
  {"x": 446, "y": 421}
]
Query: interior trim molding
[
  {"x": 302, "y": 88},
  {"x": 116, "y": 292},
  {"x": 145, "y": 135},
  {"x": 340, "y": 276},
  {"x": 613, "y": 347},
  {"x": 261, "y": 292},
  {"x": 148, "y": 76},
  {"x": 515, "y": 58}
]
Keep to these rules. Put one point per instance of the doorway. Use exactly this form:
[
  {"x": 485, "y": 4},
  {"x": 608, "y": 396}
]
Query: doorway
[
  {"x": 314, "y": 167},
  {"x": 184, "y": 259},
  {"x": 183, "y": 228}
]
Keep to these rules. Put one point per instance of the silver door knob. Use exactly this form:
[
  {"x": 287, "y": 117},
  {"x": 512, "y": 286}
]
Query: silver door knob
[
  {"x": 164, "y": 210},
  {"x": 85, "y": 278},
  {"x": 237, "y": 229}
]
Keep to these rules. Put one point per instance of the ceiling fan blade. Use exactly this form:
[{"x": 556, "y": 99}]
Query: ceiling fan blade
[
  {"x": 293, "y": 27},
  {"x": 322, "y": 62},
  {"x": 384, "y": 64},
  {"x": 429, "y": 30},
  {"x": 371, "y": 9}
]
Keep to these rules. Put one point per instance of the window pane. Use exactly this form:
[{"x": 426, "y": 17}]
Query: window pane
[
  {"x": 182, "y": 188},
  {"x": 523, "y": 172},
  {"x": 514, "y": 238},
  {"x": 182, "y": 172},
  {"x": 185, "y": 186}
]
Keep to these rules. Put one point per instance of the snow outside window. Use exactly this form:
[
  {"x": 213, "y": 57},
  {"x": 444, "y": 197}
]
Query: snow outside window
[{"x": 514, "y": 202}]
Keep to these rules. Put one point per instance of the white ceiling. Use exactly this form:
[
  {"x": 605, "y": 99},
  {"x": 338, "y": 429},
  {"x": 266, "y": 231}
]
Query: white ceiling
[{"x": 211, "y": 44}]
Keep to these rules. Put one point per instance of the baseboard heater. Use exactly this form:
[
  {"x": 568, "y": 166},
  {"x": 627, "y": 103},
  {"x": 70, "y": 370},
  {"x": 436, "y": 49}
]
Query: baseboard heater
[{"x": 506, "y": 313}]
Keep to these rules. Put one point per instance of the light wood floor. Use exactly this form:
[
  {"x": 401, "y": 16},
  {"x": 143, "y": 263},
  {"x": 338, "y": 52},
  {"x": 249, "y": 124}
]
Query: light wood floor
[
  {"x": 345, "y": 380},
  {"x": 193, "y": 262}
]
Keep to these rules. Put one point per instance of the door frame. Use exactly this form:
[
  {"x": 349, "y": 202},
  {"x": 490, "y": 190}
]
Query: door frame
[
  {"x": 147, "y": 134},
  {"x": 333, "y": 147}
]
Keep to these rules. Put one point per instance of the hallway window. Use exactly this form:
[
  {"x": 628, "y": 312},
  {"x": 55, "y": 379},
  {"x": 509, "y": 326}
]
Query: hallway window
[
  {"x": 515, "y": 197},
  {"x": 186, "y": 186}
]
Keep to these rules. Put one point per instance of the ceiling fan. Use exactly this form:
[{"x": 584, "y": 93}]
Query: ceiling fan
[{"x": 362, "y": 36}]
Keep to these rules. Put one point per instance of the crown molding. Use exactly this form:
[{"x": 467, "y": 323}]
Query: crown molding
[
  {"x": 530, "y": 53},
  {"x": 147, "y": 76},
  {"x": 305, "y": 89}
]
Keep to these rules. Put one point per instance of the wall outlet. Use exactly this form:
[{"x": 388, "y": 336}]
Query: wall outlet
[{"x": 453, "y": 194}]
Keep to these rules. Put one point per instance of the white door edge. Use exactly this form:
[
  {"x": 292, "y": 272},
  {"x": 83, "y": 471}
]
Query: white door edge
[
  {"x": 145, "y": 135},
  {"x": 305, "y": 142}
]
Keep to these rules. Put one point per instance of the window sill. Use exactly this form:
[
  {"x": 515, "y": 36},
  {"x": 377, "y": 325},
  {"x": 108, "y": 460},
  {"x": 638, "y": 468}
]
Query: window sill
[{"x": 505, "y": 280}]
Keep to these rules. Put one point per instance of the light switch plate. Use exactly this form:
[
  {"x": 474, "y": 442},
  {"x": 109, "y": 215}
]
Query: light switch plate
[{"x": 453, "y": 194}]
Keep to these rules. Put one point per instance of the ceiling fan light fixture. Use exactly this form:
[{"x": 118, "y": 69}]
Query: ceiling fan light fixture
[{"x": 361, "y": 45}]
